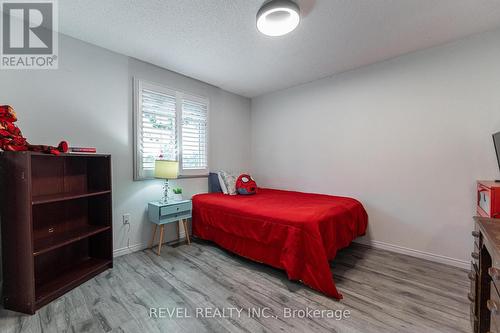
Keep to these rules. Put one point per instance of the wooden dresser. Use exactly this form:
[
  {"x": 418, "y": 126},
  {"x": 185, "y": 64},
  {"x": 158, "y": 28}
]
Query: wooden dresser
[{"x": 485, "y": 276}]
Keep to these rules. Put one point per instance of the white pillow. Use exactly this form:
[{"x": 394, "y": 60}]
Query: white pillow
[
  {"x": 229, "y": 182},
  {"x": 221, "y": 182}
]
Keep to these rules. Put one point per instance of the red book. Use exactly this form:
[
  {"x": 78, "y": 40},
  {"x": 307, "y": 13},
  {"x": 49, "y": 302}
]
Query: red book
[{"x": 82, "y": 150}]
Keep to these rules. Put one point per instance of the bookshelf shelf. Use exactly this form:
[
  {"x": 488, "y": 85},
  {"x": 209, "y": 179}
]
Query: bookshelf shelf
[
  {"x": 43, "y": 199},
  {"x": 68, "y": 279},
  {"x": 56, "y": 241}
]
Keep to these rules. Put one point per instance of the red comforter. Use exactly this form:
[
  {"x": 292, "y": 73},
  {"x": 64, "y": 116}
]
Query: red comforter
[{"x": 294, "y": 231}]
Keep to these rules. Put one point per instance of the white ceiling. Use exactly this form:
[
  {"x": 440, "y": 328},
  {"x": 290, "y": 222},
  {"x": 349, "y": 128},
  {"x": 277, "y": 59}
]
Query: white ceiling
[{"x": 216, "y": 41}]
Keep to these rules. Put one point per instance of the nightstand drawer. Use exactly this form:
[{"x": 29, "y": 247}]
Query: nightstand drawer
[
  {"x": 175, "y": 217},
  {"x": 175, "y": 209}
]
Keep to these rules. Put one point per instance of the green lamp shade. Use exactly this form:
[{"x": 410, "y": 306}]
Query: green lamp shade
[{"x": 166, "y": 169}]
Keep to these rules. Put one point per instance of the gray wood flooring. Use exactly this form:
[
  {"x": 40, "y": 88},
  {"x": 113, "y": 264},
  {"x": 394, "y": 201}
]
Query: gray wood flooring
[{"x": 384, "y": 292}]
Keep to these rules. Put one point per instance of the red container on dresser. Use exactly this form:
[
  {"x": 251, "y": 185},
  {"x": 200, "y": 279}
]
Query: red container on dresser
[{"x": 488, "y": 199}]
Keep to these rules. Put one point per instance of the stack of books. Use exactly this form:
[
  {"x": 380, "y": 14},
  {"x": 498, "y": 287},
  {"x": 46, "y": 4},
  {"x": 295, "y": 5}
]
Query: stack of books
[{"x": 82, "y": 150}]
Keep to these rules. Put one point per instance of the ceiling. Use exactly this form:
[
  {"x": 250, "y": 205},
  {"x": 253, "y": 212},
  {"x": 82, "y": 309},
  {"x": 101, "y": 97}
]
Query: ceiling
[{"x": 216, "y": 41}]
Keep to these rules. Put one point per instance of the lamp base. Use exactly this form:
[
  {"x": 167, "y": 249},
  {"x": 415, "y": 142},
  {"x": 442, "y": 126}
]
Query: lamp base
[{"x": 166, "y": 189}]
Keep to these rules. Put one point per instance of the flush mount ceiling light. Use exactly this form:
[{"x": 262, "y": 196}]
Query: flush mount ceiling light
[{"x": 278, "y": 17}]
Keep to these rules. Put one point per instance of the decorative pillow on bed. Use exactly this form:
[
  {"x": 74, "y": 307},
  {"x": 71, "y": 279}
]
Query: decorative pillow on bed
[
  {"x": 227, "y": 183},
  {"x": 246, "y": 185},
  {"x": 221, "y": 183}
]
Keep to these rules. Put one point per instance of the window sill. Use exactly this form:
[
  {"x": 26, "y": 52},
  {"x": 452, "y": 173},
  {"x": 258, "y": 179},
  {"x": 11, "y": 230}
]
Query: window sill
[
  {"x": 179, "y": 177},
  {"x": 191, "y": 176}
]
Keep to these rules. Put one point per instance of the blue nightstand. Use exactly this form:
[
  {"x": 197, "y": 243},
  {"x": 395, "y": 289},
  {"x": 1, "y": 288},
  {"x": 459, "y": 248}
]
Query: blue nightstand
[{"x": 161, "y": 213}]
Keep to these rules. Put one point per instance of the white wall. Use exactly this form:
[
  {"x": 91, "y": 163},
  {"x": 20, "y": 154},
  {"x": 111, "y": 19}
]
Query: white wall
[
  {"x": 88, "y": 102},
  {"x": 408, "y": 137}
]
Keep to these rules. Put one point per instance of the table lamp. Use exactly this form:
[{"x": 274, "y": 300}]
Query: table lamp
[{"x": 166, "y": 170}]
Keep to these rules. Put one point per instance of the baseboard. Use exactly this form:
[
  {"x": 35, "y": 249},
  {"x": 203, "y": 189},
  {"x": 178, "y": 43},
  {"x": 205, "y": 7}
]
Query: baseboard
[
  {"x": 416, "y": 253},
  {"x": 128, "y": 249},
  {"x": 140, "y": 246},
  {"x": 372, "y": 243}
]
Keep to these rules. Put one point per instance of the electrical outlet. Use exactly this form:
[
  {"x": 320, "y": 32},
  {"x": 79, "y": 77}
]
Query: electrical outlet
[{"x": 126, "y": 219}]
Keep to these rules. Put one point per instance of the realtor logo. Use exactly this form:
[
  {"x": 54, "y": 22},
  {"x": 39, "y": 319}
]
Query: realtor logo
[{"x": 29, "y": 37}]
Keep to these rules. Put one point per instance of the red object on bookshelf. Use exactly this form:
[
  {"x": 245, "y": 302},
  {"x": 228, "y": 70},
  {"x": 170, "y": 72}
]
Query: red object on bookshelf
[
  {"x": 56, "y": 225},
  {"x": 488, "y": 198},
  {"x": 82, "y": 150}
]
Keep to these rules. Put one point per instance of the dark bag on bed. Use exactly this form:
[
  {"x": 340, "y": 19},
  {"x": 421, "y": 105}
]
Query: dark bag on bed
[{"x": 213, "y": 183}]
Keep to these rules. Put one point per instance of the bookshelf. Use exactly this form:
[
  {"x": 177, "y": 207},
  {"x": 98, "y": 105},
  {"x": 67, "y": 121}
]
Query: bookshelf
[{"x": 56, "y": 225}]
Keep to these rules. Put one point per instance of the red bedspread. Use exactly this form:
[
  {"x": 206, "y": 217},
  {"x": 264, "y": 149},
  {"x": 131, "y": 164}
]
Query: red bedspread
[{"x": 294, "y": 231}]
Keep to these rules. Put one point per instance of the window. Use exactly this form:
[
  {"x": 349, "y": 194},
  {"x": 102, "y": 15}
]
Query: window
[{"x": 171, "y": 125}]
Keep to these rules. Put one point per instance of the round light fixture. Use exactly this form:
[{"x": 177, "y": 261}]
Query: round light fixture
[{"x": 278, "y": 17}]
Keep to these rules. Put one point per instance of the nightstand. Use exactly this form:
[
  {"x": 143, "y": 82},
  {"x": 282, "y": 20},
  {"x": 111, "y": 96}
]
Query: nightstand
[{"x": 161, "y": 213}]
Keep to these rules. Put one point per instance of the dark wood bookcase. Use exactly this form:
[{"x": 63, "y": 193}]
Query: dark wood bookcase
[{"x": 56, "y": 225}]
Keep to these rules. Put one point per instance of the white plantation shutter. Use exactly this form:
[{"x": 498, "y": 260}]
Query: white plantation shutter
[
  {"x": 194, "y": 136},
  {"x": 169, "y": 125},
  {"x": 158, "y": 128}
]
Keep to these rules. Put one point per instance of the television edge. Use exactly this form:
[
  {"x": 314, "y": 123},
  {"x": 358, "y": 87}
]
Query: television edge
[{"x": 496, "y": 142}]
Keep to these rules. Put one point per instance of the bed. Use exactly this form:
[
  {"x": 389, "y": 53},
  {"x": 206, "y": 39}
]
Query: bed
[{"x": 295, "y": 231}]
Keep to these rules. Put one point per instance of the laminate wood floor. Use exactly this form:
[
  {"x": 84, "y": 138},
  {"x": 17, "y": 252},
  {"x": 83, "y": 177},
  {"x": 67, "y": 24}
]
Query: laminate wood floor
[{"x": 383, "y": 291}]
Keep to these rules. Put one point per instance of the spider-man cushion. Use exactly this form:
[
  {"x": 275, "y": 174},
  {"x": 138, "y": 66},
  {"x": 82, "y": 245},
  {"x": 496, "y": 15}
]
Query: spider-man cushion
[{"x": 246, "y": 185}]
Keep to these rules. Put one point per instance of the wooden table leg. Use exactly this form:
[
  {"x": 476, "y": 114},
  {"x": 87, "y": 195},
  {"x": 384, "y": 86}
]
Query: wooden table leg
[
  {"x": 161, "y": 238},
  {"x": 186, "y": 230},
  {"x": 154, "y": 236}
]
